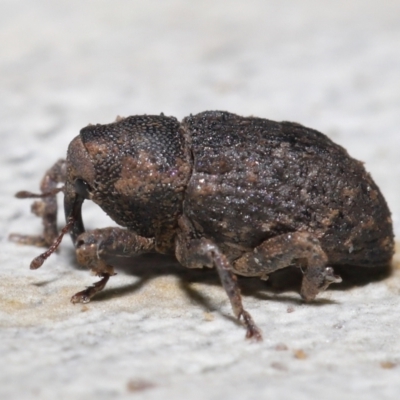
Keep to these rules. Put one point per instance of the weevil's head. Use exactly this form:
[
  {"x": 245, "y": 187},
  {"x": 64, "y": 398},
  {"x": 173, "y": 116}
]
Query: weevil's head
[{"x": 135, "y": 169}]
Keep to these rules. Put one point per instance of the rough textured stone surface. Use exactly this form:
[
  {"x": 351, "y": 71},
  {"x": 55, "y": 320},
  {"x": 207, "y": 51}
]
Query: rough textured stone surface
[{"x": 160, "y": 331}]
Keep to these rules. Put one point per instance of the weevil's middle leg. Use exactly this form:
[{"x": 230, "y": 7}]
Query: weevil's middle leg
[
  {"x": 203, "y": 252},
  {"x": 230, "y": 284}
]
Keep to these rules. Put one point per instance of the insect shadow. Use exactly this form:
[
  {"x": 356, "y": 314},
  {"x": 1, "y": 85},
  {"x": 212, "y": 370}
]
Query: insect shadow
[{"x": 149, "y": 266}]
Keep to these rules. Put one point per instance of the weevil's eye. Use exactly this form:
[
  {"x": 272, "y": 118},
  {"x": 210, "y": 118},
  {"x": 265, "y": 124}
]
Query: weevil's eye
[{"x": 82, "y": 188}]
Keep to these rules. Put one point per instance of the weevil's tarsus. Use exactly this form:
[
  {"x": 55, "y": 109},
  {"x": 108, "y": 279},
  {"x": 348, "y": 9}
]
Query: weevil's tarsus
[{"x": 85, "y": 295}]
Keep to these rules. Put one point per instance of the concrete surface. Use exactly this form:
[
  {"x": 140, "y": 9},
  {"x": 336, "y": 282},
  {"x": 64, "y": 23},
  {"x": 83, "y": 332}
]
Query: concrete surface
[{"x": 160, "y": 331}]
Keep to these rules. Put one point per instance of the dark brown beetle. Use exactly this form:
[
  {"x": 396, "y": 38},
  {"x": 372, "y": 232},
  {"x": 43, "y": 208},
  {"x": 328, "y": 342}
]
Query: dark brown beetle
[{"x": 247, "y": 196}]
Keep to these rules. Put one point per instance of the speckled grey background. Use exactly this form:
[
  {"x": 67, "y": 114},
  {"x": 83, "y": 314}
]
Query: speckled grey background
[{"x": 160, "y": 331}]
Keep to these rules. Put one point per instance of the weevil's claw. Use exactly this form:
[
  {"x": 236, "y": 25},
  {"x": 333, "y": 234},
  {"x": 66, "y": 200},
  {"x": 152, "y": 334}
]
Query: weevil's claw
[
  {"x": 311, "y": 287},
  {"x": 331, "y": 277},
  {"x": 81, "y": 297},
  {"x": 253, "y": 331}
]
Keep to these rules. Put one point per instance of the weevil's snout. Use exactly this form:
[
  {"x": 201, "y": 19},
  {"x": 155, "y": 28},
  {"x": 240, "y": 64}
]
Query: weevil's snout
[{"x": 78, "y": 186}]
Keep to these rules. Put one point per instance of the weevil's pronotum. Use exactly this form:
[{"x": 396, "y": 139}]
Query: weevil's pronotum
[{"x": 247, "y": 196}]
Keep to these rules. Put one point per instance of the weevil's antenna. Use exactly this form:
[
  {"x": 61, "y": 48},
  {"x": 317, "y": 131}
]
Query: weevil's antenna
[
  {"x": 23, "y": 194},
  {"x": 39, "y": 260}
]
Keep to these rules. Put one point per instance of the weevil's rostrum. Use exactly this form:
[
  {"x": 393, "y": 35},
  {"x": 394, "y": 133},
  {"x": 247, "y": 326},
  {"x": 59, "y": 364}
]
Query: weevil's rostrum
[{"x": 247, "y": 196}]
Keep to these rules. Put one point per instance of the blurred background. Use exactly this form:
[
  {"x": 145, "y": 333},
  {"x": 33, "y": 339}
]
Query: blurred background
[{"x": 332, "y": 66}]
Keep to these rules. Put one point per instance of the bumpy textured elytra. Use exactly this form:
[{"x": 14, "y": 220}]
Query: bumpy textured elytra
[{"x": 247, "y": 196}]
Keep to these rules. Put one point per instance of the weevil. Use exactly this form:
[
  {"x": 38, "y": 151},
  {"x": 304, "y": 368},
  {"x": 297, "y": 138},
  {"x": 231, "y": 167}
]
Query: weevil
[{"x": 245, "y": 195}]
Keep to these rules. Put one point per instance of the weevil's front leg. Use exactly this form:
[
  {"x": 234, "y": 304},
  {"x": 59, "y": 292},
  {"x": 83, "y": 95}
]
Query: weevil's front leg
[
  {"x": 85, "y": 295},
  {"x": 203, "y": 252},
  {"x": 46, "y": 208},
  {"x": 93, "y": 248},
  {"x": 281, "y": 251}
]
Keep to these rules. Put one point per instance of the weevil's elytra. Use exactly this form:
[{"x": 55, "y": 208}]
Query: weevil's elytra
[{"x": 247, "y": 196}]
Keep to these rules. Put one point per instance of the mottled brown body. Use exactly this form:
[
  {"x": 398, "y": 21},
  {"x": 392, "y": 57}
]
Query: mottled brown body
[
  {"x": 247, "y": 196},
  {"x": 255, "y": 179}
]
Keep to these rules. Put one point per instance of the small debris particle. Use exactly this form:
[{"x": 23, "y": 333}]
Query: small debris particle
[
  {"x": 300, "y": 354},
  {"x": 138, "y": 385},
  {"x": 290, "y": 309},
  {"x": 208, "y": 316},
  {"x": 279, "y": 366},
  {"x": 84, "y": 308},
  {"x": 281, "y": 347},
  {"x": 388, "y": 365}
]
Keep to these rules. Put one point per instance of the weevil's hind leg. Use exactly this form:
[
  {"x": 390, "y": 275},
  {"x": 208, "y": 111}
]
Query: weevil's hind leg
[
  {"x": 94, "y": 248},
  {"x": 203, "y": 252},
  {"x": 281, "y": 251},
  {"x": 46, "y": 207}
]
